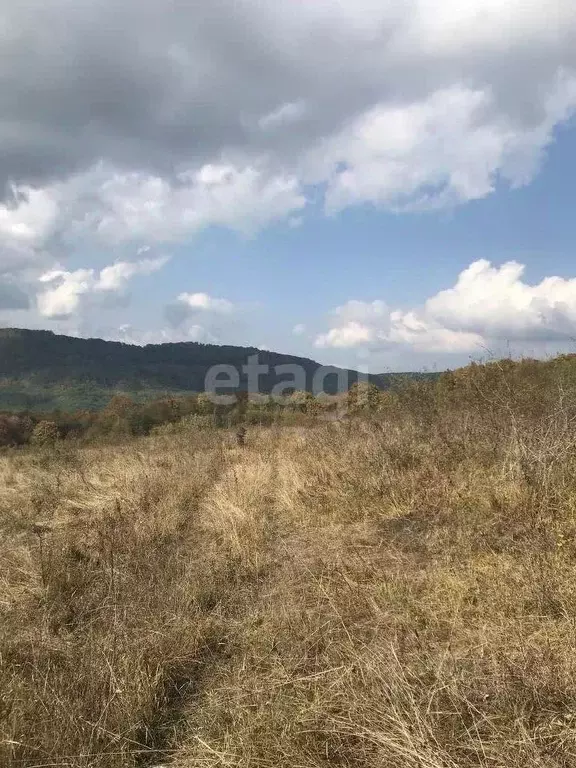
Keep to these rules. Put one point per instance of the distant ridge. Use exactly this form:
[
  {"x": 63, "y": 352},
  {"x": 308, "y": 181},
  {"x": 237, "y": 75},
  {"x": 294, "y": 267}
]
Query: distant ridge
[{"x": 38, "y": 366}]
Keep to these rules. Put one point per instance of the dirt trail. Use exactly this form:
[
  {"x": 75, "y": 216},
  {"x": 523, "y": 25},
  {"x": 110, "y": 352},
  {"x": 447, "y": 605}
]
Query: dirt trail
[{"x": 239, "y": 513}]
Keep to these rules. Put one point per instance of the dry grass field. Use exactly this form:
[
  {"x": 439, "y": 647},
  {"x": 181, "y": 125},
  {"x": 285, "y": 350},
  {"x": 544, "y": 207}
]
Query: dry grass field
[{"x": 392, "y": 591}]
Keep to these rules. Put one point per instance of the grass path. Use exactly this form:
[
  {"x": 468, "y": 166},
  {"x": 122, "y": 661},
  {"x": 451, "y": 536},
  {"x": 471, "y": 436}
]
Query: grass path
[{"x": 344, "y": 595}]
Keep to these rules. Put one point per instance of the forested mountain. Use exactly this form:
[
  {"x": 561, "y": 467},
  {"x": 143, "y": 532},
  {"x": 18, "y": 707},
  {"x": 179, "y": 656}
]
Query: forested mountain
[{"x": 40, "y": 368}]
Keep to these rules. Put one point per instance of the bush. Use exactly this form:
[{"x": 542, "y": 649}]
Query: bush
[{"x": 45, "y": 433}]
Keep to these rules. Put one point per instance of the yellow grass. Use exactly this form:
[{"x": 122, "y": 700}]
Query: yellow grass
[{"x": 371, "y": 593}]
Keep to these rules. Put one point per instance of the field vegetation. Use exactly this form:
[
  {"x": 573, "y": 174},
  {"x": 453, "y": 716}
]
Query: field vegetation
[{"x": 386, "y": 581}]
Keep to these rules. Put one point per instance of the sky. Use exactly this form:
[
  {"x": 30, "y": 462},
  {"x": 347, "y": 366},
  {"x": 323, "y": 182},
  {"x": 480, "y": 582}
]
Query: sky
[{"x": 379, "y": 184}]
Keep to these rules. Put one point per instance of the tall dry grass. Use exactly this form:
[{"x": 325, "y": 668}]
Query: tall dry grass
[{"x": 394, "y": 591}]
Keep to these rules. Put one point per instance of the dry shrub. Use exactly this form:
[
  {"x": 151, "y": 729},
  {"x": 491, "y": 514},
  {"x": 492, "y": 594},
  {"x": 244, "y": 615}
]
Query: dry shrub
[{"x": 395, "y": 591}]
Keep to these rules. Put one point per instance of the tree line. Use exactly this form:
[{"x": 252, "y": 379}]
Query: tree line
[{"x": 488, "y": 388}]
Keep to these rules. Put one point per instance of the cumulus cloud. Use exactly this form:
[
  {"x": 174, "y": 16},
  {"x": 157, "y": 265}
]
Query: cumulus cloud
[
  {"x": 27, "y": 215},
  {"x": 27, "y": 221},
  {"x": 496, "y": 303},
  {"x": 110, "y": 208},
  {"x": 134, "y": 206},
  {"x": 200, "y": 317},
  {"x": 115, "y": 276},
  {"x": 375, "y": 326},
  {"x": 61, "y": 298},
  {"x": 64, "y": 290},
  {"x": 488, "y": 304},
  {"x": 144, "y": 85},
  {"x": 448, "y": 149},
  {"x": 143, "y": 121},
  {"x": 351, "y": 334},
  {"x": 204, "y": 303},
  {"x": 146, "y": 123}
]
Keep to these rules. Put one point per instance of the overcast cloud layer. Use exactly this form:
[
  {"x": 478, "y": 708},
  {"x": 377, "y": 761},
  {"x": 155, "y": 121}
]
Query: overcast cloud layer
[{"x": 137, "y": 123}]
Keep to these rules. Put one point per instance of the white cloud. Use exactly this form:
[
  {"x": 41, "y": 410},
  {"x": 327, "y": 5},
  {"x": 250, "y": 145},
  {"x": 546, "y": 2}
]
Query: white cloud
[
  {"x": 143, "y": 127},
  {"x": 63, "y": 294},
  {"x": 201, "y": 317},
  {"x": 424, "y": 335},
  {"x": 27, "y": 221},
  {"x": 204, "y": 303},
  {"x": 28, "y": 216},
  {"x": 351, "y": 334},
  {"x": 201, "y": 334},
  {"x": 496, "y": 303},
  {"x": 488, "y": 305},
  {"x": 327, "y": 93},
  {"x": 131, "y": 335},
  {"x": 115, "y": 276},
  {"x": 140, "y": 207},
  {"x": 453, "y": 27},
  {"x": 447, "y": 149},
  {"x": 62, "y": 298},
  {"x": 299, "y": 329},
  {"x": 104, "y": 207}
]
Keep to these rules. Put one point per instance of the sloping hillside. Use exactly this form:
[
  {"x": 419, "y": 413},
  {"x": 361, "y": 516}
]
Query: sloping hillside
[{"x": 42, "y": 369}]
